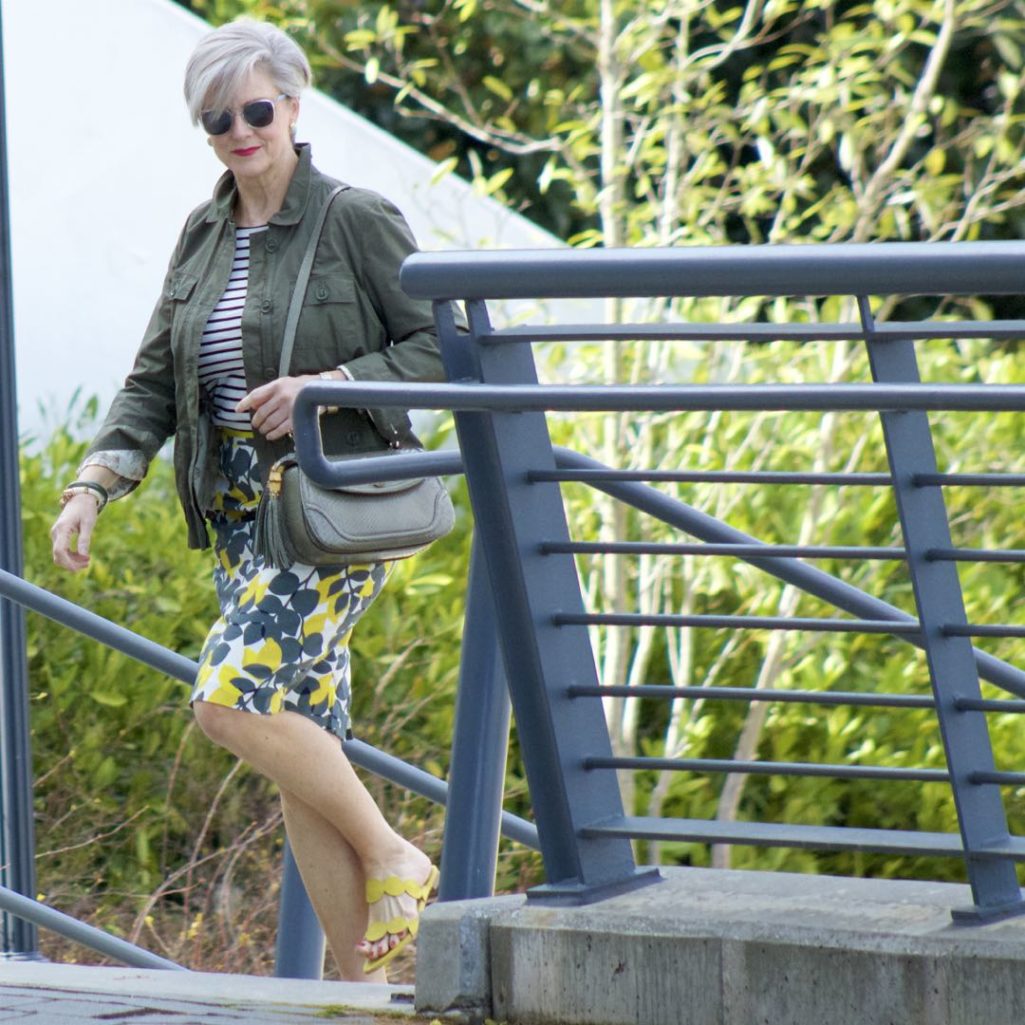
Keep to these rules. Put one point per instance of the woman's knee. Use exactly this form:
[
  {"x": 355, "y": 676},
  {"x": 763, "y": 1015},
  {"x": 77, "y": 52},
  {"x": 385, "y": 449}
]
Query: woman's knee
[{"x": 216, "y": 721}]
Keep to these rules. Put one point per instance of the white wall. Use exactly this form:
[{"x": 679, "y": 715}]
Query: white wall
[{"x": 105, "y": 165}]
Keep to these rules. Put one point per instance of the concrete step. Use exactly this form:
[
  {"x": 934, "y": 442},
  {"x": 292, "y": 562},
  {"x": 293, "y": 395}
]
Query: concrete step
[{"x": 714, "y": 947}]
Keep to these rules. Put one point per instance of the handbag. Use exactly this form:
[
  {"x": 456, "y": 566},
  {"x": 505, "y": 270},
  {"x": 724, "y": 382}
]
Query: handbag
[{"x": 298, "y": 520}]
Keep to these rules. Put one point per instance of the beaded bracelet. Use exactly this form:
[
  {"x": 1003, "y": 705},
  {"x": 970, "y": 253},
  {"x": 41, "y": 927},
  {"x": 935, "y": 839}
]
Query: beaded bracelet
[{"x": 85, "y": 487}]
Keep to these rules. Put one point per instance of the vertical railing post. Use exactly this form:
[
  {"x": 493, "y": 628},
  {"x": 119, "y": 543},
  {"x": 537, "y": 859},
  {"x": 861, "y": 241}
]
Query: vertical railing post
[
  {"x": 542, "y": 660},
  {"x": 19, "y": 938},
  {"x": 951, "y": 660},
  {"x": 299, "y": 951},
  {"x": 480, "y": 742}
]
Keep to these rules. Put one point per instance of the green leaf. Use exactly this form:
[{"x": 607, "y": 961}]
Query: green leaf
[
  {"x": 498, "y": 87},
  {"x": 109, "y": 699}
]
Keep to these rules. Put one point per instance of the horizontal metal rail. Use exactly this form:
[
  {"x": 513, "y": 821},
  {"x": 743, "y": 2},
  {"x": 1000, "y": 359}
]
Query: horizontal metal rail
[
  {"x": 982, "y": 480},
  {"x": 1010, "y": 779},
  {"x": 762, "y": 477},
  {"x": 518, "y": 398},
  {"x": 753, "y": 768},
  {"x": 755, "y": 332},
  {"x": 759, "y": 477},
  {"x": 975, "y": 555},
  {"x": 772, "y": 834},
  {"x": 634, "y": 619},
  {"x": 737, "y": 551},
  {"x": 988, "y": 705},
  {"x": 889, "y": 268},
  {"x": 665, "y": 692},
  {"x": 982, "y": 630}
]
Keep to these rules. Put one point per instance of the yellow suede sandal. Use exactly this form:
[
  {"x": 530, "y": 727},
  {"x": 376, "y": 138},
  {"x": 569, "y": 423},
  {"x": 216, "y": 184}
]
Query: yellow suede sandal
[{"x": 401, "y": 926}]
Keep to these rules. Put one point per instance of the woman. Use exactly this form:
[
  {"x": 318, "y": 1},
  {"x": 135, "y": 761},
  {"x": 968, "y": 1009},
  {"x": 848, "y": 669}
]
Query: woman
[{"x": 273, "y": 680}]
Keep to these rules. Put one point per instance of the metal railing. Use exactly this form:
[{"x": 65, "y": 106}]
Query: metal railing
[
  {"x": 526, "y": 633},
  {"x": 472, "y": 799},
  {"x": 515, "y": 473}
]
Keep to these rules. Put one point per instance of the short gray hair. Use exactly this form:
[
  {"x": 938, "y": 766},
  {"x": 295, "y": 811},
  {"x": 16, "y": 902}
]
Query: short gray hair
[{"x": 225, "y": 57}]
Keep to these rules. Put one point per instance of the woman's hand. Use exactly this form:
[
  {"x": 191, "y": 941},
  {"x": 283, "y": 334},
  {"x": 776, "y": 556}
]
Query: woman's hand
[
  {"x": 77, "y": 519},
  {"x": 271, "y": 405}
]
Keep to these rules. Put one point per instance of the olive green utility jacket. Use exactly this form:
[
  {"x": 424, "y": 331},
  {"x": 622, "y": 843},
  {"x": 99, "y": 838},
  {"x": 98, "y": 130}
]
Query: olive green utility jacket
[{"x": 354, "y": 315}]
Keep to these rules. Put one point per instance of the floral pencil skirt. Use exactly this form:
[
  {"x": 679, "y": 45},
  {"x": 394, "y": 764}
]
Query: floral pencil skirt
[{"x": 282, "y": 640}]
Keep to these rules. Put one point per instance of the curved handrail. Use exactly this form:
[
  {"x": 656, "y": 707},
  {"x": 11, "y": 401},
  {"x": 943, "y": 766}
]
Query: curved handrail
[{"x": 336, "y": 472}]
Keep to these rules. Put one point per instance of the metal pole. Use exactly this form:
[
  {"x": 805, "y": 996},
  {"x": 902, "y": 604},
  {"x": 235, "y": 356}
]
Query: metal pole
[
  {"x": 480, "y": 742},
  {"x": 299, "y": 953},
  {"x": 18, "y": 938},
  {"x": 87, "y": 935}
]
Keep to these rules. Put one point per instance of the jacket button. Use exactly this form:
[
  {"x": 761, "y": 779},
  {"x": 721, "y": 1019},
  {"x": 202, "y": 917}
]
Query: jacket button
[
  {"x": 321, "y": 292},
  {"x": 272, "y": 244},
  {"x": 267, "y": 305}
]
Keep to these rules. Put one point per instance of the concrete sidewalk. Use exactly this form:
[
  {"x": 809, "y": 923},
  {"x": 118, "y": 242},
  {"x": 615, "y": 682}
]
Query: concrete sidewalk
[{"x": 34, "y": 993}]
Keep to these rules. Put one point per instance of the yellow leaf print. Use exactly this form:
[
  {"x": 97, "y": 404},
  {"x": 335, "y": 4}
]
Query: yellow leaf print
[
  {"x": 254, "y": 590},
  {"x": 315, "y": 624},
  {"x": 226, "y": 693},
  {"x": 325, "y": 692},
  {"x": 268, "y": 654}
]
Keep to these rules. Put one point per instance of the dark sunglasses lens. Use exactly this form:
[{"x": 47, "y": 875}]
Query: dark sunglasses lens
[
  {"x": 216, "y": 122},
  {"x": 259, "y": 113}
]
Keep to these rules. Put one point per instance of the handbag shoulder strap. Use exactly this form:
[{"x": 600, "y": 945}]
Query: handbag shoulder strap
[{"x": 301, "y": 281}]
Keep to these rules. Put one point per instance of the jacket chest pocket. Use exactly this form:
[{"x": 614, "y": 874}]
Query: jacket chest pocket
[
  {"x": 180, "y": 287},
  {"x": 177, "y": 293},
  {"x": 330, "y": 329}
]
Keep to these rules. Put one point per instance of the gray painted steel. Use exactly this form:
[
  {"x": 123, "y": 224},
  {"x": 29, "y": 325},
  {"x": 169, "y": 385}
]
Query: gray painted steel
[
  {"x": 541, "y": 659},
  {"x": 18, "y": 937},
  {"x": 513, "y": 473},
  {"x": 300, "y": 944},
  {"x": 952, "y": 669},
  {"x": 516, "y": 397},
  {"x": 26, "y": 910},
  {"x": 480, "y": 741},
  {"x": 933, "y": 268}
]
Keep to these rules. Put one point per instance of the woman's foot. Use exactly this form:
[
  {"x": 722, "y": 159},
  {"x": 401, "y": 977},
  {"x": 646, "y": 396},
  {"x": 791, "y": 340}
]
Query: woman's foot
[{"x": 397, "y": 892}]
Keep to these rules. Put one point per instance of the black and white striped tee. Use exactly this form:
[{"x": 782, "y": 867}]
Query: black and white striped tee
[{"x": 221, "y": 371}]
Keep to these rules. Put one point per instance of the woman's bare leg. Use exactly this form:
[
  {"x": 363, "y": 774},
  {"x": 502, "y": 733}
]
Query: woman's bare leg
[
  {"x": 334, "y": 880},
  {"x": 308, "y": 764}
]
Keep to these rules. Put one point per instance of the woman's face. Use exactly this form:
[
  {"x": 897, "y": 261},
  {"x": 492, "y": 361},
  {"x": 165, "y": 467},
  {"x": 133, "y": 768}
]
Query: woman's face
[{"x": 251, "y": 153}]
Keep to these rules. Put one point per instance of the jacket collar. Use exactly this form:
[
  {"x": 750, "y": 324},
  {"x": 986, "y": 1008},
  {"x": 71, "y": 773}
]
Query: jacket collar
[{"x": 296, "y": 198}]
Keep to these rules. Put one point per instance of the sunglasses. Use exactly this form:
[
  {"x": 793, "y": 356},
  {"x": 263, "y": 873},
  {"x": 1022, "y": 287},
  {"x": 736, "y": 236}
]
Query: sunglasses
[{"x": 256, "y": 114}]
